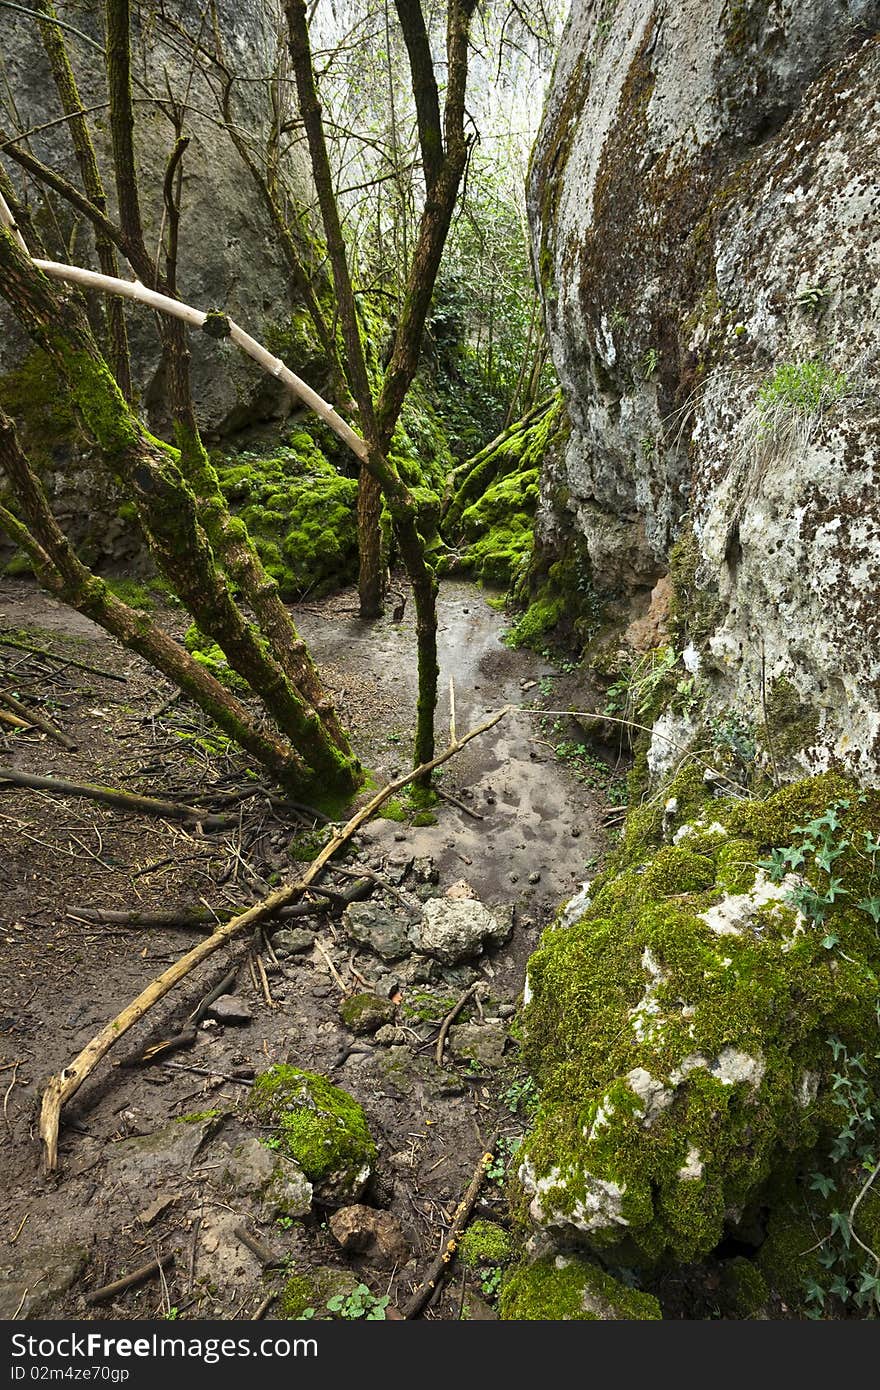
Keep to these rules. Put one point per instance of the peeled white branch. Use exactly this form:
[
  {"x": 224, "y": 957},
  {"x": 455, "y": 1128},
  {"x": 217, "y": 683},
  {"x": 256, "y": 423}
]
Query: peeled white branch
[
  {"x": 133, "y": 289},
  {"x": 196, "y": 318}
]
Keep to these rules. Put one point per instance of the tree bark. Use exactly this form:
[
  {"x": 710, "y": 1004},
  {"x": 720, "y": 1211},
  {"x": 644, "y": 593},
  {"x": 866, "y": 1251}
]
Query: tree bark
[
  {"x": 71, "y": 103},
  {"x": 149, "y": 474}
]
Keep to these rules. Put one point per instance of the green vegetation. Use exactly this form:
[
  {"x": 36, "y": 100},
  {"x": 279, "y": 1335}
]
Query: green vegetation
[
  {"x": 800, "y": 388},
  {"x": 485, "y": 1243},
  {"x": 490, "y": 516},
  {"x": 679, "y": 1030},
  {"x": 316, "y": 1123},
  {"x": 360, "y": 1303},
  {"x": 567, "y": 1289}
]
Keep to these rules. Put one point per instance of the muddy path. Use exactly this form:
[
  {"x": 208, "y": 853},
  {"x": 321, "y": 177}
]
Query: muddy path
[{"x": 135, "y": 1183}]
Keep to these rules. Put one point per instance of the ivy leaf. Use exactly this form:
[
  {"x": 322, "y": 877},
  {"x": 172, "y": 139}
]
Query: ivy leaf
[
  {"x": 815, "y": 1293},
  {"x": 840, "y": 1226},
  {"x": 823, "y": 1184},
  {"x": 836, "y": 1047},
  {"x": 839, "y": 1287},
  {"x": 826, "y": 856},
  {"x": 872, "y": 907},
  {"x": 835, "y": 890},
  {"x": 830, "y": 941}
]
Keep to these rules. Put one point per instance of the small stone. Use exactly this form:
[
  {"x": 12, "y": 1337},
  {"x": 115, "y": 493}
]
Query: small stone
[
  {"x": 400, "y": 835},
  {"x": 290, "y": 941},
  {"x": 155, "y": 1209},
  {"x": 575, "y": 832},
  {"x": 506, "y": 1010},
  {"x": 514, "y": 878},
  {"x": 361, "y": 1230},
  {"x": 479, "y": 1042},
  {"x": 365, "y": 1012},
  {"x": 279, "y": 1182},
  {"x": 529, "y": 685},
  {"x": 230, "y": 1009},
  {"x": 452, "y": 930},
  {"x": 377, "y": 929},
  {"x": 534, "y": 876},
  {"x": 390, "y": 1036},
  {"x": 425, "y": 870}
]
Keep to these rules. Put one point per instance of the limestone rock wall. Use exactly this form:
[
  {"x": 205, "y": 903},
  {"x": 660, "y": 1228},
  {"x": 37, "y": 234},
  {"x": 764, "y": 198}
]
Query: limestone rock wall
[{"x": 704, "y": 198}]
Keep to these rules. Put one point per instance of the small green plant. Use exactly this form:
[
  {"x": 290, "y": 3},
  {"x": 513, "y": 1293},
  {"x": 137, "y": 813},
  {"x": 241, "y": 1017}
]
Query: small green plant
[
  {"x": 496, "y": 1171},
  {"x": 812, "y": 296},
  {"x": 491, "y": 1280},
  {"x": 521, "y": 1096},
  {"x": 803, "y": 389},
  {"x": 634, "y": 692},
  {"x": 173, "y": 1314},
  {"x": 271, "y": 1141},
  {"x": 734, "y": 735},
  {"x": 823, "y": 841},
  {"x": 360, "y": 1303},
  {"x": 649, "y": 363},
  {"x": 285, "y": 1222}
]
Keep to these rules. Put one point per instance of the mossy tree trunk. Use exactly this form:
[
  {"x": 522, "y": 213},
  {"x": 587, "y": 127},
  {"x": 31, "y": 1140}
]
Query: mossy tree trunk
[
  {"x": 148, "y": 472},
  {"x": 444, "y": 150},
  {"x": 231, "y": 543},
  {"x": 71, "y": 104},
  {"x": 61, "y": 572}
]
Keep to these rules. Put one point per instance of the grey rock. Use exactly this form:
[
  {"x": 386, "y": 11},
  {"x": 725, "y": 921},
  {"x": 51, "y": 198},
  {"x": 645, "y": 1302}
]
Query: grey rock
[
  {"x": 32, "y": 1280},
  {"x": 506, "y": 1010},
  {"x": 167, "y": 1152},
  {"x": 230, "y": 1009},
  {"x": 456, "y": 929},
  {"x": 290, "y": 941},
  {"x": 389, "y": 1035},
  {"x": 378, "y": 930},
  {"x": 425, "y": 870},
  {"x": 278, "y": 1182},
  {"x": 479, "y": 1042},
  {"x": 761, "y": 123},
  {"x": 365, "y": 1012}
]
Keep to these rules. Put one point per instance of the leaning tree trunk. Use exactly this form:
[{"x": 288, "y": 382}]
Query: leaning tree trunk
[
  {"x": 63, "y": 574},
  {"x": 149, "y": 474}
]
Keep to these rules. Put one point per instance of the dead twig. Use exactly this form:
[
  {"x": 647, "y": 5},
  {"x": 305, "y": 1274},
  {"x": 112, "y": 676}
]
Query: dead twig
[
  {"x": 268, "y": 1259},
  {"x": 112, "y": 796},
  {"x": 128, "y": 1281},
  {"x": 38, "y": 720},
  {"x": 66, "y": 1083},
  {"x": 62, "y": 660},
  {"x": 454, "y": 801},
  {"x": 429, "y": 1285},
  {"x": 450, "y": 1019}
]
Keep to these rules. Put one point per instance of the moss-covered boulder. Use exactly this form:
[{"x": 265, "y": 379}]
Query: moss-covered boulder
[
  {"x": 490, "y": 516},
  {"x": 300, "y": 511},
  {"x": 319, "y": 1125},
  {"x": 485, "y": 1243},
  {"x": 567, "y": 1289},
  {"x": 365, "y": 1012},
  {"x": 687, "y": 1029}
]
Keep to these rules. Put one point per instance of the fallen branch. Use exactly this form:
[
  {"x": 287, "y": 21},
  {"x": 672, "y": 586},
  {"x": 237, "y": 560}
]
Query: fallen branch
[
  {"x": 12, "y": 721},
  {"x": 447, "y": 1254},
  {"x": 61, "y": 660},
  {"x": 450, "y": 1019},
  {"x": 64, "y": 1085},
  {"x": 454, "y": 801},
  {"x": 188, "y": 919},
  {"x": 128, "y": 1281},
  {"x": 267, "y": 1258},
  {"x": 112, "y": 796},
  {"x": 38, "y": 720}
]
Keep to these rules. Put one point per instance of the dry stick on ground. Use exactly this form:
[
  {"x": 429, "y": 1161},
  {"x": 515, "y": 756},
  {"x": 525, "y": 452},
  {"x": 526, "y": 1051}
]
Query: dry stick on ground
[
  {"x": 38, "y": 720},
  {"x": 268, "y": 1259},
  {"x": 128, "y": 1281},
  {"x": 62, "y": 660},
  {"x": 13, "y": 722},
  {"x": 126, "y": 801},
  {"x": 62, "y": 1087},
  {"x": 462, "y": 1215},
  {"x": 450, "y": 1019},
  {"x": 454, "y": 801}
]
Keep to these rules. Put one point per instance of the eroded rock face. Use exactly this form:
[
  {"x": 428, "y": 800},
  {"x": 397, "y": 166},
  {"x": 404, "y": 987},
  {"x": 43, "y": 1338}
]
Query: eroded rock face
[{"x": 704, "y": 200}]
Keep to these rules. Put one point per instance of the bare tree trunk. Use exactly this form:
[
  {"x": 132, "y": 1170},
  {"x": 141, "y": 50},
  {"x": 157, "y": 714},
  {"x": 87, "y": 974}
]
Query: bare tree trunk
[
  {"x": 62, "y": 573},
  {"x": 71, "y": 104}
]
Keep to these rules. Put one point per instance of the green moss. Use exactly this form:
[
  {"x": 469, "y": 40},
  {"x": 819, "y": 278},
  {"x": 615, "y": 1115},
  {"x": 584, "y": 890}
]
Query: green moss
[
  {"x": 671, "y": 1056},
  {"x": 791, "y": 725},
  {"x": 485, "y": 1243},
  {"x": 197, "y": 1116},
  {"x": 208, "y": 654},
  {"x": 319, "y": 1124},
  {"x": 566, "y": 1289},
  {"x": 361, "y": 1011},
  {"x": 744, "y": 1289},
  {"x": 296, "y": 1297},
  {"x": 423, "y": 1006},
  {"x": 392, "y": 809},
  {"x": 300, "y": 512},
  {"x": 490, "y": 516},
  {"x": 424, "y": 818}
]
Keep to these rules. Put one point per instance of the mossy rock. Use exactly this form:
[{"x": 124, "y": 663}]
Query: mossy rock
[
  {"x": 485, "y": 1243},
  {"x": 744, "y": 1291},
  {"x": 566, "y": 1289},
  {"x": 679, "y": 1029},
  {"x": 297, "y": 1297},
  {"x": 365, "y": 1012},
  {"x": 319, "y": 1125}
]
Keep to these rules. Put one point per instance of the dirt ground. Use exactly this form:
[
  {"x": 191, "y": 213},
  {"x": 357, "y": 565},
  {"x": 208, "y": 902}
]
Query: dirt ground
[{"x": 520, "y": 830}]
